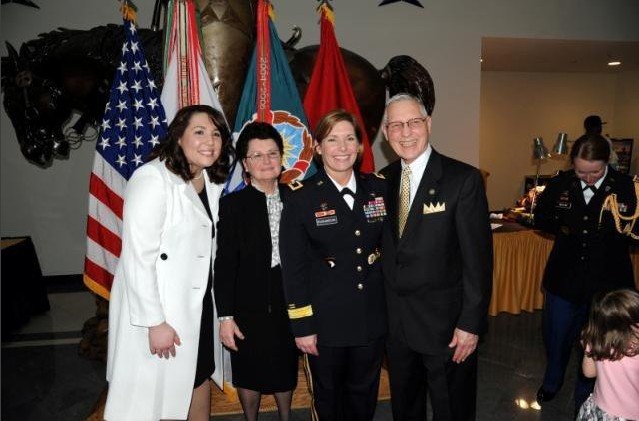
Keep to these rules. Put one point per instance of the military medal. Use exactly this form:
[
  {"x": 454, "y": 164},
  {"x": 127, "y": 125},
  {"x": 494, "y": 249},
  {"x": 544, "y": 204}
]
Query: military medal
[
  {"x": 375, "y": 210},
  {"x": 323, "y": 213}
]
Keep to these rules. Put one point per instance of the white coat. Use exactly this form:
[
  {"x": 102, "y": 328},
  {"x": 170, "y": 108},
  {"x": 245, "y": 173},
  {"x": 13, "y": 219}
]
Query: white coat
[{"x": 161, "y": 277}]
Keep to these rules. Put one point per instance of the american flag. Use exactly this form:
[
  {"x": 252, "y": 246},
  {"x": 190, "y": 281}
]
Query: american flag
[{"x": 134, "y": 123}]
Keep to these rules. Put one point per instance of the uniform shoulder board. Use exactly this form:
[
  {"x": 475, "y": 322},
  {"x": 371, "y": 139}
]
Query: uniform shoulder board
[
  {"x": 379, "y": 175},
  {"x": 295, "y": 185}
]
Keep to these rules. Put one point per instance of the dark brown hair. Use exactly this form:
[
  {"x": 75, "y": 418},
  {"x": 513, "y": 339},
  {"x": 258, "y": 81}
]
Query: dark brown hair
[
  {"x": 593, "y": 147},
  {"x": 612, "y": 331},
  {"x": 329, "y": 121},
  {"x": 170, "y": 151},
  {"x": 257, "y": 130}
]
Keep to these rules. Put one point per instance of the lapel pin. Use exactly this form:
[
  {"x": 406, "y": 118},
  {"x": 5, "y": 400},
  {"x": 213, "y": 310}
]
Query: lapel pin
[{"x": 431, "y": 192}]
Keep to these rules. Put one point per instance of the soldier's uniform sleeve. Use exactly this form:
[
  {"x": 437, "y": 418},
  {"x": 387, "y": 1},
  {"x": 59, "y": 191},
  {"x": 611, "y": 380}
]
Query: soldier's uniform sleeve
[
  {"x": 295, "y": 260},
  {"x": 545, "y": 210}
]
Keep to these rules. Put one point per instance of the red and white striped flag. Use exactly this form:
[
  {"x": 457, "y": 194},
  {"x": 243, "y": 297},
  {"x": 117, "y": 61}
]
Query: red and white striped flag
[
  {"x": 133, "y": 123},
  {"x": 186, "y": 81}
]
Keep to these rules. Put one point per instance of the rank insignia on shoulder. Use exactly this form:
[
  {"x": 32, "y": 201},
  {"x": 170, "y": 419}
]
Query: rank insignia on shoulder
[
  {"x": 295, "y": 185},
  {"x": 379, "y": 175}
]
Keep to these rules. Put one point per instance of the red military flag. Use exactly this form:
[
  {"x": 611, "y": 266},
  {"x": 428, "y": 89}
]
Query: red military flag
[{"x": 330, "y": 87}]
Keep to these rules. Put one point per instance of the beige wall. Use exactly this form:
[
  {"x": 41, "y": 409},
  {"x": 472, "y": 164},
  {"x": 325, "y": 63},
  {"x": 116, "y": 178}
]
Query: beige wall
[
  {"x": 517, "y": 107},
  {"x": 626, "y": 112}
]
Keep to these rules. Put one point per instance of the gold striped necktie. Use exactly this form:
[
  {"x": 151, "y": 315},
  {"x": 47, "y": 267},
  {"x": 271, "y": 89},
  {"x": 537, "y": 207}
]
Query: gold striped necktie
[{"x": 404, "y": 199}]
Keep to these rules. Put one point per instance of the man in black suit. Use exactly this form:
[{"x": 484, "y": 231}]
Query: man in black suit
[{"x": 437, "y": 267}]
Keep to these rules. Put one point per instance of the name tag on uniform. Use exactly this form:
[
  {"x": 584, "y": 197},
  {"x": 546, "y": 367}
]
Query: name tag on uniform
[
  {"x": 564, "y": 201},
  {"x": 375, "y": 210},
  {"x": 326, "y": 220}
]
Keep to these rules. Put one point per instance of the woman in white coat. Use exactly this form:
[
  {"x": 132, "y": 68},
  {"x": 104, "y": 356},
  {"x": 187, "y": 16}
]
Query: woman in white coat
[{"x": 160, "y": 354}]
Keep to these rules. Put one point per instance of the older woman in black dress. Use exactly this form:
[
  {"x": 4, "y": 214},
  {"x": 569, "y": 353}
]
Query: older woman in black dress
[{"x": 248, "y": 281}]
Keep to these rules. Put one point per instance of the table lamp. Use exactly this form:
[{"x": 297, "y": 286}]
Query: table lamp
[
  {"x": 561, "y": 145},
  {"x": 539, "y": 153}
]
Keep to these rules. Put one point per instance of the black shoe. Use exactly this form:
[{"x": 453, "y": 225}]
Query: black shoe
[{"x": 544, "y": 396}]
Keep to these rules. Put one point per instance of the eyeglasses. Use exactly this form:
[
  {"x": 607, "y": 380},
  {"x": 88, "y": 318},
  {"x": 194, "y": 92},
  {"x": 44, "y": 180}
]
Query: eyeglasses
[
  {"x": 259, "y": 156},
  {"x": 413, "y": 124}
]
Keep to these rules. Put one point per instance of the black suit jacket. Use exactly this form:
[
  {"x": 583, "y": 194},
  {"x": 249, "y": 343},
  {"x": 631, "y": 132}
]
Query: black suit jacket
[
  {"x": 242, "y": 283},
  {"x": 331, "y": 261},
  {"x": 438, "y": 276},
  {"x": 588, "y": 255}
]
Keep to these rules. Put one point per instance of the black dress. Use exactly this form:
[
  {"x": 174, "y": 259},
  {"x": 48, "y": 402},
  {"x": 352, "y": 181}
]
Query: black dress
[
  {"x": 205, "y": 355},
  {"x": 250, "y": 290}
]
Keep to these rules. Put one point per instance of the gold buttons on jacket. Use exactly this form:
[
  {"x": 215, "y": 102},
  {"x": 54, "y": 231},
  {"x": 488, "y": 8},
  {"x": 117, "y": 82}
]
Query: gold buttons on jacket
[
  {"x": 358, "y": 233},
  {"x": 359, "y": 268},
  {"x": 360, "y": 286},
  {"x": 358, "y": 250},
  {"x": 585, "y": 217}
]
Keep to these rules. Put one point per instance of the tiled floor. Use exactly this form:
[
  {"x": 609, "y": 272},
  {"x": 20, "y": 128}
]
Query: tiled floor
[{"x": 44, "y": 378}]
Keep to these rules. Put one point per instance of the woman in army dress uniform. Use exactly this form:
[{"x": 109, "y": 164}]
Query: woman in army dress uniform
[
  {"x": 589, "y": 254},
  {"x": 248, "y": 283},
  {"x": 329, "y": 245}
]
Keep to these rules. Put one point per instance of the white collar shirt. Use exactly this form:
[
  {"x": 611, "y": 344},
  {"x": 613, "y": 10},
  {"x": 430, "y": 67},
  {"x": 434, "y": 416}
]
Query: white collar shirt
[
  {"x": 417, "y": 168},
  {"x": 352, "y": 185},
  {"x": 588, "y": 193}
]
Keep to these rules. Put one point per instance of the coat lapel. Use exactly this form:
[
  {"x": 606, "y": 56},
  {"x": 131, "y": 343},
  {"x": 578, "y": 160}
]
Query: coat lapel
[
  {"x": 213, "y": 193},
  {"x": 194, "y": 199},
  {"x": 329, "y": 189},
  {"x": 604, "y": 190},
  {"x": 427, "y": 192},
  {"x": 392, "y": 197}
]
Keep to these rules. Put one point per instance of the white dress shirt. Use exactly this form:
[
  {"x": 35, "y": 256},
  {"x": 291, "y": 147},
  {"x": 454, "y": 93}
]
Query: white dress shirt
[
  {"x": 417, "y": 168},
  {"x": 588, "y": 193},
  {"x": 352, "y": 185}
]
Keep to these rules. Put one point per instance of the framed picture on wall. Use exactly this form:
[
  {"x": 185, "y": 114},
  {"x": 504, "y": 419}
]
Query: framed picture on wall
[{"x": 623, "y": 149}]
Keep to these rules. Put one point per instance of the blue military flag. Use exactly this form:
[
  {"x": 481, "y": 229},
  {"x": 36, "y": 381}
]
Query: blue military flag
[{"x": 270, "y": 95}]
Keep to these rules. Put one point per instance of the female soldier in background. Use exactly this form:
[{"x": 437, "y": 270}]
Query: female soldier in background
[{"x": 588, "y": 255}]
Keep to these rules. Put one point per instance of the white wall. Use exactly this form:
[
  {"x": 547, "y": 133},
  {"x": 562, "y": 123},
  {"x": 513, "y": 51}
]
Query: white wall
[{"x": 445, "y": 37}]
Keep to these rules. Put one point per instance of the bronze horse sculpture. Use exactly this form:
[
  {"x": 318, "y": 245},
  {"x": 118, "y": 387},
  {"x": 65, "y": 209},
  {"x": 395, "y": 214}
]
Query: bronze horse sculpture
[{"x": 56, "y": 86}]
